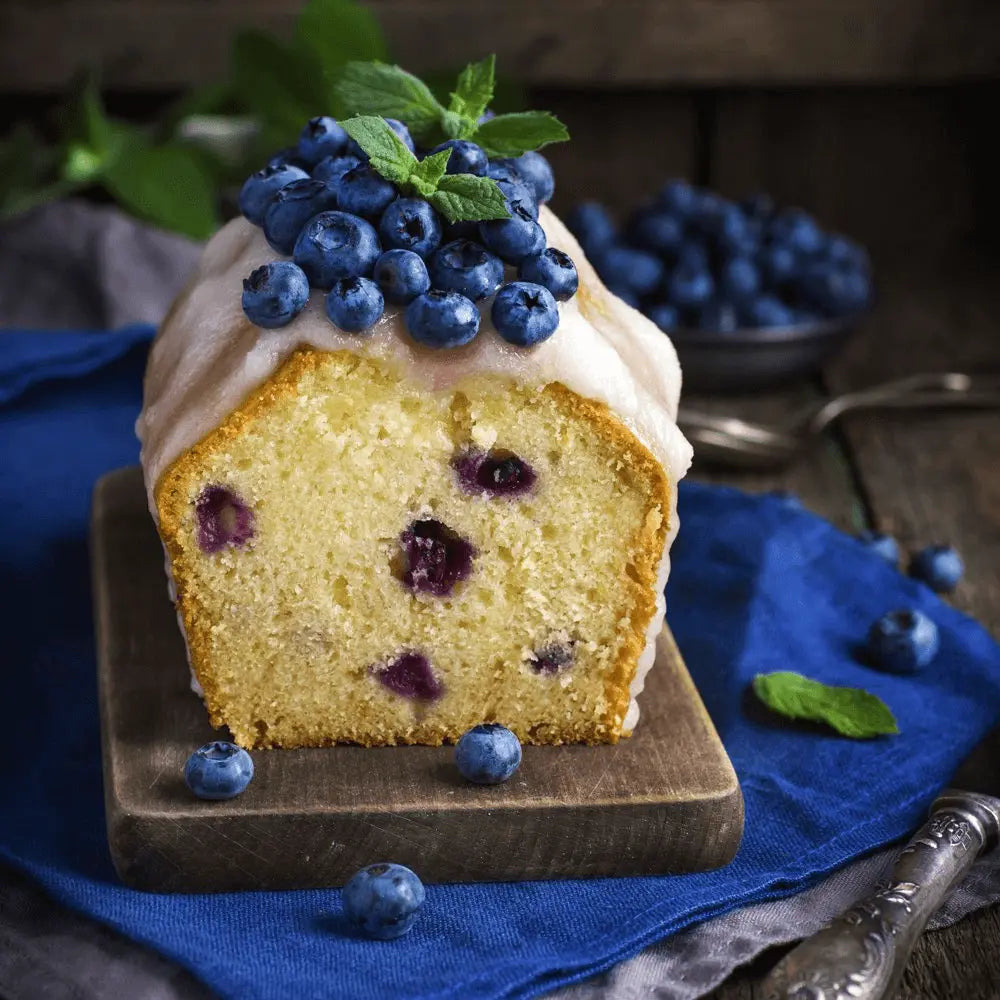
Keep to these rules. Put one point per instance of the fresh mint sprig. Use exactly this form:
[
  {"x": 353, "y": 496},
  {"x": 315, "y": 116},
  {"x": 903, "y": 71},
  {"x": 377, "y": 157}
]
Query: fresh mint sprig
[
  {"x": 458, "y": 197},
  {"x": 850, "y": 711},
  {"x": 374, "y": 88}
]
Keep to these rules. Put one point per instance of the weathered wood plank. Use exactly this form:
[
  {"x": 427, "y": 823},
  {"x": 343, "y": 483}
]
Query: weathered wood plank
[
  {"x": 902, "y": 171},
  {"x": 665, "y": 800},
  {"x": 161, "y": 44},
  {"x": 607, "y": 130}
]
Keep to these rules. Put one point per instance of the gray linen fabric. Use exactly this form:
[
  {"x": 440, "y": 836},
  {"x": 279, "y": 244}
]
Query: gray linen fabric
[{"x": 76, "y": 265}]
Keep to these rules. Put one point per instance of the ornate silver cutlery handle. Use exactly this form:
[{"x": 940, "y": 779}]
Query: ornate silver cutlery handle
[{"x": 862, "y": 954}]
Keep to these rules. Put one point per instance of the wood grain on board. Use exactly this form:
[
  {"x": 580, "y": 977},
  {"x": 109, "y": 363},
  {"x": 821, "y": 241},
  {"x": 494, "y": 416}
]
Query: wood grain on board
[
  {"x": 163, "y": 44},
  {"x": 666, "y": 800}
]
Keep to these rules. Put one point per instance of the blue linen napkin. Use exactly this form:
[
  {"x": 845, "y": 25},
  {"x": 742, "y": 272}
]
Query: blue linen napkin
[{"x": 757, "y": 585}]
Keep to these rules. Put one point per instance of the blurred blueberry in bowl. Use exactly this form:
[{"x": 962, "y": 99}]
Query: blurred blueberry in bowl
[{"x": 752, "y": 293}]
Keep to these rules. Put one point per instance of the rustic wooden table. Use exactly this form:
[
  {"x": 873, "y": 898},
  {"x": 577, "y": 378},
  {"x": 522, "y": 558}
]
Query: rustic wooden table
[{"x": 924, "y": 478}]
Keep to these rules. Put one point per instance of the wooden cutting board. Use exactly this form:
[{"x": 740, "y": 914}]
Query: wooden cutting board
[{"x": 666, "y": 800}]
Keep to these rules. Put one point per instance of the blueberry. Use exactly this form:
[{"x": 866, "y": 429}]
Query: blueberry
[
  {"x": 939, "y": 566},
  {"x": 882, "y": 545},
  {"x": 218, "y": 770},
  {"x": 332, "y": 168},
  {"x": 758, "y": 206},
  {"x": 664, "y": 315},
  {"x": 402, "y": 276},
  {"x": 515, "y": 238},
  {"x": 525, "y": 313},
  {"x": 728, "y": 227},
  {"x": 488, "y": 754},
  {"x": 623, "y": 267},
  {"x": 275, "y": 294},
  {"x": 555, "y": 658},
  {"x": 434, "y": 558},
  {"x": 336, "y": 245},
  {"x": 517, "y": 194},
  {"x": 718, "y": 316},
  {"x": 689, "y": 287},
  {"x": 552, "y": 269},
  {"x": 501, "y": 170},
  {"x": 410, "y": 675},
  {"x": 321, "y": 137},
  {"x": 466, "y": 267},
  {"x": 903, "y": 641},
  {"x": 535, "y": 171},
  {"x": 466, "y": 157},
  {"x": 442, "y": 319},
  {"x": 841, "y": 250},
  {"x": 679, "y": 198},
  {"x": 291, "y": 208},
  {"x": 835, "y": 290},
  {"x": 223, "y": 519},
  {"x": 364, "y": 192},
  {"x": 410, "y": 224},
  {"x": 767, "y": 311},
  {"x": 657, "y": 231},
  {"x": 354, "y": 304},
  {"x": 693, "y": 254},
  {"x": 796, "y": 229},
  {"x": 403, "y": 132},
  {"x": 739, "y": 279},
  {"x": 289, "y": 155},
  {"x": 778, "y": 263},
  {"x": 494, "y": 473},
  {"x": 591, "y": 224},
  {"x": 261, "y": 187},
  {"x": 382, "y": 900}
]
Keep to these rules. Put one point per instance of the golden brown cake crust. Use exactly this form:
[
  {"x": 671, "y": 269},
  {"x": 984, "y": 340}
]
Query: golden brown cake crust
[{"x": 640, "y": 583}]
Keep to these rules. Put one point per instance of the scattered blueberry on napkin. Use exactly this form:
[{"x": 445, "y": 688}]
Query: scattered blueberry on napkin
[{"x": 756, "y": 586}]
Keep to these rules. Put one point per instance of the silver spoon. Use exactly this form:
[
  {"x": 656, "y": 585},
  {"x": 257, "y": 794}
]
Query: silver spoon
[{"x": 732, "y": 441}]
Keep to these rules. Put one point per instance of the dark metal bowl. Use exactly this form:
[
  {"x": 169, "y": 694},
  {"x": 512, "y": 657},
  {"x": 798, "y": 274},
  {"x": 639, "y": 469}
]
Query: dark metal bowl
[{"x": 759, "y": 357}]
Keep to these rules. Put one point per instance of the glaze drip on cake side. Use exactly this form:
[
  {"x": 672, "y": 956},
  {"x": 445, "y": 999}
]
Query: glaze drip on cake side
[{"x": 208, "y": 358}]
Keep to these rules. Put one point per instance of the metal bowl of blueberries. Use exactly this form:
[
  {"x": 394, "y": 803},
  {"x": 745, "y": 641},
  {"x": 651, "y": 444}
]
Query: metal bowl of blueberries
[{"x": 751, "y": 295}]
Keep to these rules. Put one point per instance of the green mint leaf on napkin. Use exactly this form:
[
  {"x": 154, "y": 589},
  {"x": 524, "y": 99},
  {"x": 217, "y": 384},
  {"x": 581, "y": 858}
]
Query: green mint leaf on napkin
[
  {"x": 465, "y": 197},
  {"x": 374, "y": 88},
  {"x": 427, "y": 173},
  {"x": 474, "y": 90},
  {"x": 386, "y": 151},
  {"x": 512, "y": 135},
  {"x": 850, "y": 711}
]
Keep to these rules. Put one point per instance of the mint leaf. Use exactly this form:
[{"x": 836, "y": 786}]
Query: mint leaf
[
  {"x": 465, "y": 197},
  {"x": 338, "y": 31},
  {"x": 512, "y": 135},
  {"x": 474, "y": 89},
  {"x": 282, "y": 88},
  {"x": 374, "y": 88},
  {"x": 388, "y": 155},
  {"x": 168, "y": 185},
  {"x": 427, "y": 173},
  {"x": 850, "y": 711}
]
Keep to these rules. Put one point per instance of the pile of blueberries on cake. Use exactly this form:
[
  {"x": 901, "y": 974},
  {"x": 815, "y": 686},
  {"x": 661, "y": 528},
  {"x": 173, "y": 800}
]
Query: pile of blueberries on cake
[
  {"x": 351, "y": 233},
  {"x": 690, "y": 259}
]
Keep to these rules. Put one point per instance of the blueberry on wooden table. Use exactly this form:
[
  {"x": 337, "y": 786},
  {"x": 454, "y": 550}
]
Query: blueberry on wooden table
[
  {"x": 218, "y": 770},
  {"x": 488, "y": 754},
  {"x": 882, "y": 545},
  {"x": 382, "y": 900},
  {"x": 939, "y": 566}
]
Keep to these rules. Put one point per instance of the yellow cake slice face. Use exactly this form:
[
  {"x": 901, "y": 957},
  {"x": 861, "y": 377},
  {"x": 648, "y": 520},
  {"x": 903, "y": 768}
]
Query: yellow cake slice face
[{"x": 359, "y": 559}]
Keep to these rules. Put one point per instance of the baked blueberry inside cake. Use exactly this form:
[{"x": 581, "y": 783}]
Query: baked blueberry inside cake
[{"x": 383, "y": 528}]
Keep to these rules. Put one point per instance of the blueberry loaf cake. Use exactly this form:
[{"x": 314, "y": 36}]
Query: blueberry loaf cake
[{"x": 412, "y": 472}]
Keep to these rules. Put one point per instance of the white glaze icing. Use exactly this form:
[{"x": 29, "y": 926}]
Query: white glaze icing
[{"x": 207, "y": 358}]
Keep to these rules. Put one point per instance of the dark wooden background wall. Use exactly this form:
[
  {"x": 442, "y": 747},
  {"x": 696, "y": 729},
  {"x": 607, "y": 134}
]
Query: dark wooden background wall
[{"x": 877, "y": 115}]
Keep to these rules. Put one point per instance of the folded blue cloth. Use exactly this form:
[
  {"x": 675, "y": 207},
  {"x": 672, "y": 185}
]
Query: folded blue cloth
[{"x": 757, "y": 586}]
